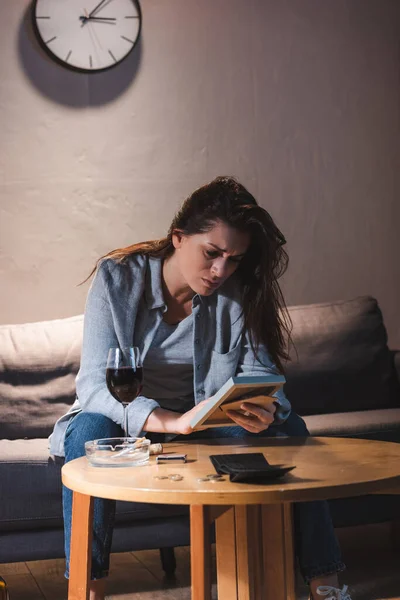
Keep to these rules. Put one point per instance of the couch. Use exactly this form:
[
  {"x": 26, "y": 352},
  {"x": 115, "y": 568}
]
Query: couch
[{"x": 343, "y": 379}]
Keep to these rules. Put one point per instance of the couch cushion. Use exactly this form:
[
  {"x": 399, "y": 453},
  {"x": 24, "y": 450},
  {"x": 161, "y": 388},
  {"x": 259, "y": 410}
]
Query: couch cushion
[
  {"x": 31, "y": 490},
  {"x": 38, "y": 366},
  {"x": 368, "y": 424},
  {"x": 343, "y": 362}
]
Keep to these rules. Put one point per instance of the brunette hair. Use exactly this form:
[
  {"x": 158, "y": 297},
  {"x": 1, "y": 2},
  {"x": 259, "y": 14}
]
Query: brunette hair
[{"x": 225, "y": 199}]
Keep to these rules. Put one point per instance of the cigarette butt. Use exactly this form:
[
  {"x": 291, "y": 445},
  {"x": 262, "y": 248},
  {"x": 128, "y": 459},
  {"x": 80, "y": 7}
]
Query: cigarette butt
[
  {"x": 155, "y": 448},
  {"x": 138, "y": 442}
]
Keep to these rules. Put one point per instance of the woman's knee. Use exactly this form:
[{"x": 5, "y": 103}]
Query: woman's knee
[
  {"x": 294, "y": 426},
  {"x": 87, "y": 426}
]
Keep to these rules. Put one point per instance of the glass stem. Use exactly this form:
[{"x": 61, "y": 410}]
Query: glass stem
[{"x": 126, "y": 430}]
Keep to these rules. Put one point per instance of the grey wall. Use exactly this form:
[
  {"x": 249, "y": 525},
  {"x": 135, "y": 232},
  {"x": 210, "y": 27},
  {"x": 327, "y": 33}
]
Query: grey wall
[{"x": 298, "y": 98}]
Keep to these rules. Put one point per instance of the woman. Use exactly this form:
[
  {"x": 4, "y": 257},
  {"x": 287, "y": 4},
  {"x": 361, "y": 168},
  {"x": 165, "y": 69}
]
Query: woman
[{"x": 202, "y": 304}]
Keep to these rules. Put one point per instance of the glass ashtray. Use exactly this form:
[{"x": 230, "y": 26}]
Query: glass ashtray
[{"x": 118, "y": 452}]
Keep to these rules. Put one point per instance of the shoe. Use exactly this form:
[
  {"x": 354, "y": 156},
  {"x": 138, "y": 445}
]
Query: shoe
[{"x": 331, "y": 593}]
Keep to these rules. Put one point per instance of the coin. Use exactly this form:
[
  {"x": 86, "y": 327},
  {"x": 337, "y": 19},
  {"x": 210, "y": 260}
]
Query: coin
[
  {"x": 213, "y": 476},
  {"x": 176, "y": 477},
  {"x": 217, "y": 480},
  {"x": 203, "y": 479},
  {"x": 160, "y": 477}
]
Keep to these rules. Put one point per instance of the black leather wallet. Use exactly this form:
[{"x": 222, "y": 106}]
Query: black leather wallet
[{"x": 249, "y": 467}]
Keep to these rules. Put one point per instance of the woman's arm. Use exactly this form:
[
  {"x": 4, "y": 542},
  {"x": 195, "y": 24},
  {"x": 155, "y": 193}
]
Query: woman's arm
[
  {"x": 167, "y": 421},
  {"x": 162, "y": 421},
  {"x": 98, "y": 336},
  {"x": 249, "y": 364}
]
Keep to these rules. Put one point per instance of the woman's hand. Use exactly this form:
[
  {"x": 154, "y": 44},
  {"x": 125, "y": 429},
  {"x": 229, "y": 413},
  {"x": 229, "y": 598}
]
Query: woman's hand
[
  {"x": 182, "y": 424},
  {"x": 258, "y": 418}
]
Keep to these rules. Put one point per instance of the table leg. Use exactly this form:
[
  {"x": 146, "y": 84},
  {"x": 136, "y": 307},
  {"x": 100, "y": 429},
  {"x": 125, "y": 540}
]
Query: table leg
[
  {"x": 81, "y": 547},
  {"x": 200, "y": 552},
  {"x": 255, "y": 557},
  {"x": 225, "y": 534},
  {"x": 239, "y": 554},
  {"x": 248, "y": 552},
  {"x": 278, "y": 551}
]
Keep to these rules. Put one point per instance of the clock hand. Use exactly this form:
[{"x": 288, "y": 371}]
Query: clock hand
[
  {"x": 96, "y": 8},
  {"x": 93, "y": 36},
  {"x": 84, "y": 19}
]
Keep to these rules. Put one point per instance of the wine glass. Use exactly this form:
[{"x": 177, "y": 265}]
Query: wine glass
[{"x": 124, "y": 377}]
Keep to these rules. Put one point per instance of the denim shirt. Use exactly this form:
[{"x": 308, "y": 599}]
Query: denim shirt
[{"x": 124, "y": 307}]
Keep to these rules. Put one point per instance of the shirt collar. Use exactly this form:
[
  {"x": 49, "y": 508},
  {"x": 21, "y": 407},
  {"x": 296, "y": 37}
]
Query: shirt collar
[{"x": 153, "y": 287}]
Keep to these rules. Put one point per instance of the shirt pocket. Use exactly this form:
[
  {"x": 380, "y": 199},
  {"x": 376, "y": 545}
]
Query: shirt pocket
[{"x": 223, "y": 366}]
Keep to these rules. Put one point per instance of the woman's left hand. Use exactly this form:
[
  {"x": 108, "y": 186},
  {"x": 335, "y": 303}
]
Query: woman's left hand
[{"x": 258, "y": 418}]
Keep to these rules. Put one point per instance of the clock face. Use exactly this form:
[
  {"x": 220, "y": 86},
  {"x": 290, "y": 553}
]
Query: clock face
[{"x": 88, "y": 35}]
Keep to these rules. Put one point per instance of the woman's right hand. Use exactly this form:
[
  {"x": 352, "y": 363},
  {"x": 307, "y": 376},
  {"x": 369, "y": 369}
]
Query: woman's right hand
[{"x": 182, "y": 424}]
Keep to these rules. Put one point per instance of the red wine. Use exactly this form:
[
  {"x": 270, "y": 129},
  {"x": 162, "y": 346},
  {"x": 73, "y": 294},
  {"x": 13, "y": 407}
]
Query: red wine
[{"x": 124, "y": 383}]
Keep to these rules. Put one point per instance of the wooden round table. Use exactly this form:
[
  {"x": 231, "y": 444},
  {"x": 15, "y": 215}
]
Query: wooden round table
[{"x": 250, "y": 519}]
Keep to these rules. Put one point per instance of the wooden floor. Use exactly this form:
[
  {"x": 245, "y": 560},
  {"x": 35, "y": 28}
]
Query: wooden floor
[{"x": 373, "y": 573}]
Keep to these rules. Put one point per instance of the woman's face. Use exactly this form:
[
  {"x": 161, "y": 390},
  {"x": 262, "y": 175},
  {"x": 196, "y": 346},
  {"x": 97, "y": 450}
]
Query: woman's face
[{"x": 206, "y": 260}]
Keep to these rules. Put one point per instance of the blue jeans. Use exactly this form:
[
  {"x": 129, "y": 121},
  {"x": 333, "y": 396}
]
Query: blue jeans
[{"x": 316, "y": 545}]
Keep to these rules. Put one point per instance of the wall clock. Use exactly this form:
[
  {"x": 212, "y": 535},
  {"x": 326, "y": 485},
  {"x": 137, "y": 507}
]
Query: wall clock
[{"x": 87, "y": 35}]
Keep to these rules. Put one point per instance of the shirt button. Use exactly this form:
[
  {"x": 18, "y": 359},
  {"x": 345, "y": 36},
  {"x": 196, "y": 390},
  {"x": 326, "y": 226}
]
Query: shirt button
[
  {"x": 197, "y": 317},
  {"x": 198, "y": 367},
  {"x": 197, "y": 341},
  {"x": 200, "y": 392}
]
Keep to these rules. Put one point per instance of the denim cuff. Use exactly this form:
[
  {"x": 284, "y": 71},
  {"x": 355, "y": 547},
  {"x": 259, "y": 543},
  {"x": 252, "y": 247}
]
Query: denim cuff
[
  {"x": 93, "y": 577},
  {"x": 322, "y": 570}
]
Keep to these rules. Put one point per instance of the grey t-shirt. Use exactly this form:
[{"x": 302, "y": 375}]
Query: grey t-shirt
[{"x": 168, "y": 366}]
